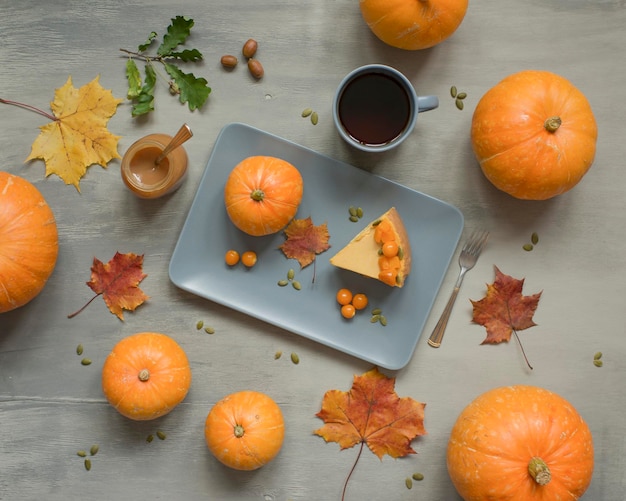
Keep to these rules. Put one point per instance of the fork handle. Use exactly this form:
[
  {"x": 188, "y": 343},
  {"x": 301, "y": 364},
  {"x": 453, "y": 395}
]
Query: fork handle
[{"x": 435, "y": 338}]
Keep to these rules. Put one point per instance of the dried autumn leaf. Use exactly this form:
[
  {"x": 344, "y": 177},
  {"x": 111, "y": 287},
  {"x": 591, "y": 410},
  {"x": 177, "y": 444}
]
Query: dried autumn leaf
[
  {"x": 371, "y": 413},
  {"x": 118, "y": 283},
  {"x": 78, "y": 137},
  {"x": 504, "y": 309},
  {"x": 305, "y": 240}
]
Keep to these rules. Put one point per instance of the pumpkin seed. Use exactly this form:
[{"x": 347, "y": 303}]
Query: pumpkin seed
[
  {"x": 86, "y": 361},
  {"x": 375, "y": 318},
  {"x": 282, "y": 283},
  {"x": 296, "y": 285},
  {"x": 352, "y": 211},
  {"x": 209, "y": 330},
  {"x": 459, "y": 103},
  {"x": 527, "y": 247},
  {"x": 377, "y": 222},
  {"x": 87, "y": 464},
  {"x": 161, "y": 435},
  {"x": 295, "y": 358},
  {"x": 400, "y": 253},
  {"x": 94, "y": 449},
  {"x": 314, "y": 118},
  {"x": 383, "y": 320},
  {"x": 376, "y": 311},
  {"x": 150, "y": 438},
  {"x": 418, "y": 476},
  {"x": 291, "y": 274},
  {"x": 359, "y": 212},
  {"x": 278, "y": 354},
  {"x": 81, "y": 454},
  {"x": 199, "y": 325},
  {"x": 598, "y": 363},
  {"x": 597, "y": 356},
  {"x": 306, "y": 112},
  {"x": 354, "y": 219},
  {"x": 461, "y": 95},
  {"x": 453, "y": 91},
  {"x": 79, "y": 349},
  {"x": 409, "y": 483},
  {"x": 534, "y": 238}
]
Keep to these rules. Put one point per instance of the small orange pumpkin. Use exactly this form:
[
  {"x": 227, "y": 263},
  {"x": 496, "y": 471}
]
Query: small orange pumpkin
[
  {"x": 520, "y": 443},
  {"x": 146, "y": 375},
  {"x": 245, "y": 430},
  {"x": 28, "y": 242},
  {"x": 534, "y": 135},
  {"x": 262, "y": 194},
  {"x": 413, "y": 24}
]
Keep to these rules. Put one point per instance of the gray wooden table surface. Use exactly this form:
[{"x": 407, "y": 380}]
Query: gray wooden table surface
[{"x": 51, "y": 405}]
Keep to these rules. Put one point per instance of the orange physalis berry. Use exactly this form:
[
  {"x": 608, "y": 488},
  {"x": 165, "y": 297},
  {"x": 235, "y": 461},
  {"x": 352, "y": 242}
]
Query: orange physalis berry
[
  {"x": 388, "y": 263},
  {"x": 231, "y": 257},
  {"x": 359, "y": 301},
  {"x": 344, "y": 296},
  {"x": 388, "y": 277},
  {"x": 390, "y": 248},
  {"x": 348, "y": 311},
  {"x": 248, "y": 258},
  {"x": 383, "y": 232}
]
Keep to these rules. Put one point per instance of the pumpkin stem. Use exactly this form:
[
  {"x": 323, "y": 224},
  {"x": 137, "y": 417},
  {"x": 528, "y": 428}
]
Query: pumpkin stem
[
  {"x": 539, "y": 470},
  {"x": 552, "y": 124},
  {"x": 257, "y": 195},
  {"x": 144, "y": 375},
  {"x": 239, "y": 431}
]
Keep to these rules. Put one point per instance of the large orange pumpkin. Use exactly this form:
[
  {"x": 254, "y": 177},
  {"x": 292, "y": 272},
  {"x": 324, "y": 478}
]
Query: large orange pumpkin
[
  {"x": 413, "y": 24},
  {"x": 146, "y": 375},
  {"x": 534, "y": 135},
  {"x": 245, "y": 430},
  {"x": 262, "y": 194},
  {"x": 28, "y": 242},
  {"x": 520, "y": 443}
]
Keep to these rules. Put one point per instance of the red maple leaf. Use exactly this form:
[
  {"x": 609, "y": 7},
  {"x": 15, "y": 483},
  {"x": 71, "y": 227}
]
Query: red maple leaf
[
  {"x": 118, "y": 283},
  {"x": 504, "y": 309},
  {"x": 305, "y": 240}
]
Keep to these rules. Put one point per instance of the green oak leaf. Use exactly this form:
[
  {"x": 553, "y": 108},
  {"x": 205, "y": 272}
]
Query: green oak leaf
[
  {"x": 193, "y": 91},
  {"x": 144, "y": 103},
  {"x": 134, "y": 79},
  {"x": 144, "y": 46},
  {"x": 177, "y": 33},
  {"x": 187, "y": 55}
]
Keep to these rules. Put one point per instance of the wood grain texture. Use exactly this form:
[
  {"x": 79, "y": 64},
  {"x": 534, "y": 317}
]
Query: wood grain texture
[{"x": 51, "y": 405}]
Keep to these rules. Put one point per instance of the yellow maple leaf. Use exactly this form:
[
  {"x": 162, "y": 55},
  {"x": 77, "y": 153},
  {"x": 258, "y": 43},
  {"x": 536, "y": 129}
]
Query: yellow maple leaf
[{"x": 78, "y": 137}]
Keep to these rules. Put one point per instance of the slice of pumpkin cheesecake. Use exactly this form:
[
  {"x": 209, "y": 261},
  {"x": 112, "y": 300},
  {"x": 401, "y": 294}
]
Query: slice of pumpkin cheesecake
[{"x": 381, "y": 251}]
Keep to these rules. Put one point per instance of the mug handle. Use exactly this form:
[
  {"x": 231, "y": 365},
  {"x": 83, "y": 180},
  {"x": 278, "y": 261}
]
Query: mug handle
[{"x": 427, "y": 103}]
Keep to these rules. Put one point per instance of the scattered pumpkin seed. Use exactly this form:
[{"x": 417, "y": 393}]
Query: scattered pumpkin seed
[
  {"x": 461, "y": 95},
  {"x": 352, "y": 211},
  {"x": 291, "y": 274},
  {"x": 79, "y": 349},
  {"x": 86, "y": 361},
  {"x": 295, "y": 358},
  {"x": 282, "y": 283},
  {"x": 597, "y": 356},
  {"x": 161, "y": 435},
  {"x": 528, "y": 247},
  {"x": 534, "y": 238},
  {"x": 306, "y": 112},
  {"x": 278, "y": 354},
  {"x": 383, "y": 320},
  {"x": 459, "y": 103},
  {"x": 375, "y": 318},
  {"x": 418, "y": 476},
  {"x": 209, "y": 330},
  {"x": 359, "y": 212},
  {"x": 81, "y": 454},
  {"x": 453, "y": 91},
  {"x": 296, "y": 285},
  {"x": 376, "y": 311},
  {"x": 354, "y": 219},
  {"x": 409, "y": 483},
  {"x": 200, "y": 324},
  {"x": 150, "y": 438},
  {"x": 94, "y": 449},
  {"x": 87, "y": 464},
  {"x": 598, "y": 363},
  {"x": 314, "y": 118}
]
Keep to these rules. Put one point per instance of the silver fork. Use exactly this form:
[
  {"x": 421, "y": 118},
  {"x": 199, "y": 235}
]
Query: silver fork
[{"x": 467, "y": 259}]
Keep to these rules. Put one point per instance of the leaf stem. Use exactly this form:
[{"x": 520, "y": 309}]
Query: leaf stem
[
  {"x": 28, "y": 107},
  {"x": 345, "y": 485},
  {"x": 138, "y": 55},
  {"x": 72, "y": 315},
  {"x": 519, "y": 341}
]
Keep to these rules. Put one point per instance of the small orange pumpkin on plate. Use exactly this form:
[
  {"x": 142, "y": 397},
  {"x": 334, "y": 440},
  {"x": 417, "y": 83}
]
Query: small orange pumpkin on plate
[
  {"x": 146, "y": 376},
  {"x": 28, "y": 242},
  {"x": 520, "y": 443},
  {"x": 245, "y": 430},
  {"x": 262, "y": 194}
]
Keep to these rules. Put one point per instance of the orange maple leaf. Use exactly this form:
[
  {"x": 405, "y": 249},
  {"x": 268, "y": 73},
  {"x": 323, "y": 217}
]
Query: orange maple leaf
[
  {"x": 504, "y": 309},
  {"x": 305, "y": 240},
  {"x": 118, "y": 283},
  {"x": 78, "y": 137}
]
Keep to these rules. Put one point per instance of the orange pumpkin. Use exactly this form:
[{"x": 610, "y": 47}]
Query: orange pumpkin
[
  {"x": 520, "y": 443},
  {"x": 145, "y": 376},
  {"x": 262, "y": 194},
  {"x": 413, "y": 24},
  {"x": 245, "y": 430},
  {"x": 534, "y": 135},
  {"x": 28, "y": 242}
]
